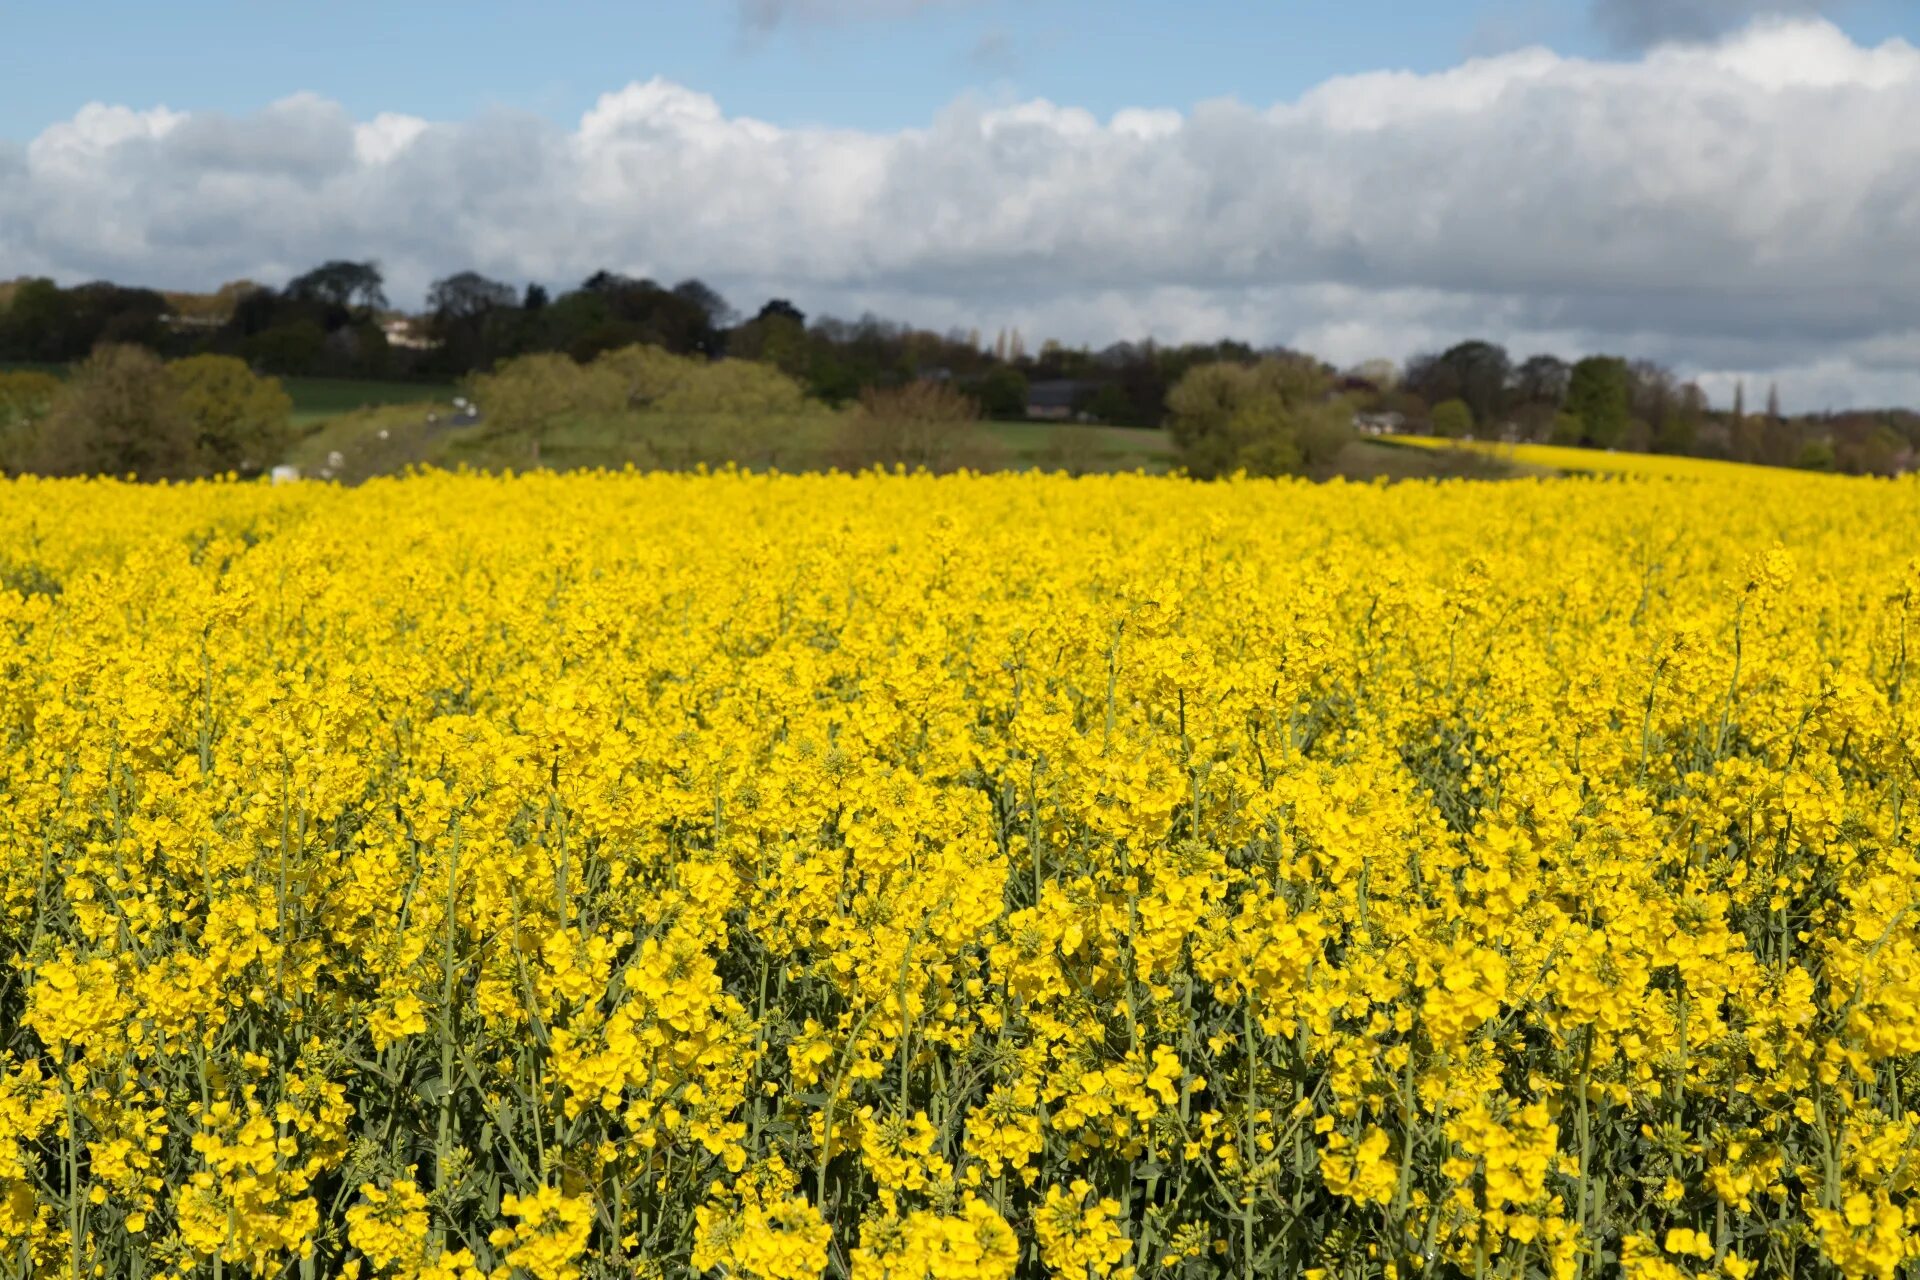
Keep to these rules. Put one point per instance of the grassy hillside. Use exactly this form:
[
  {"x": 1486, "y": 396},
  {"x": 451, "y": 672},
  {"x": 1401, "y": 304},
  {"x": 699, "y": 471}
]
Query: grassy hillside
[
  {"x": 358, "y": 428},
  {"x": 388, "y": 438},
  {"x": 375, "y": 441}
]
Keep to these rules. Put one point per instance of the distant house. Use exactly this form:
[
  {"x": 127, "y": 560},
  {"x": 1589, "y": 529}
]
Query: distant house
[
  {"x": 1060, "y": 399},
  {"x": 1379, "y": 424},
  {"x": 404, "y": 331}
]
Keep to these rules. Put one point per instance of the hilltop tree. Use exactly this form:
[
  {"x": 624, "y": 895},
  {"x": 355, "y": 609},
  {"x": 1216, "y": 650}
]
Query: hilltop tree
[
  {"x": 781, "y": 307},
  {"x": 36, "y": 323},
  {"x": 475, "y": 320},
  {"x": 1542, "y": 380},
  {"x": 1476, "y": 372},
  {"x": 711, "y": 304},
  {"x": 467, "y": 295},
  {"x": 340, "y": 284},
  {"x": 774, "y": 337}
]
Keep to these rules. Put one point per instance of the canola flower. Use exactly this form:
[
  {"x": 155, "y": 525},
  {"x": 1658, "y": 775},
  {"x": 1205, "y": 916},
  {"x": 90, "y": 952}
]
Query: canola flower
[
  {"x": 1555, "y": 457},
  {"x": 559, "y": 878}
]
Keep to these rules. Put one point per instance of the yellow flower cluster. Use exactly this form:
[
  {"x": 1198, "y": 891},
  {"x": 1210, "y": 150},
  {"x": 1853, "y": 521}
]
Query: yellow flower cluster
[{"x": 555, "y": 878}]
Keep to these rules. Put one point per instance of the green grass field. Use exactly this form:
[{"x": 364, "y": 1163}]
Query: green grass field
[
  {"x": 367, "y": 442},
  {"x": 317, "y": 399}
]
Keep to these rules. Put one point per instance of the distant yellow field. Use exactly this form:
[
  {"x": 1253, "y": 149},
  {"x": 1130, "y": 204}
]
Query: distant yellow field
[{"x": 1562, "y": 458}]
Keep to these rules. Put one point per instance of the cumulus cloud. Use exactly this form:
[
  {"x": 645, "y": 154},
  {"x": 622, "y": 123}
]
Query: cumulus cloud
[
  {"x": 1638, "y": 24},
  {"x": 1744, "y": 208}
]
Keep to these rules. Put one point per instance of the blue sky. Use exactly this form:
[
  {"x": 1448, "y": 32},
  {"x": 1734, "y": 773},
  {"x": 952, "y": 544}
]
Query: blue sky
[
  {"x": 1730, "y": 187},
  {"x": 896, "y": 68}
]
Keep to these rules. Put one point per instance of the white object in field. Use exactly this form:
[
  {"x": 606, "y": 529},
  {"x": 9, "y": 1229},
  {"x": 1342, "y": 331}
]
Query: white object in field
[
  {"x": 334, "y": 459},
  {"x": 285, "y": 473},
  {"x": 383, "y": 433}
]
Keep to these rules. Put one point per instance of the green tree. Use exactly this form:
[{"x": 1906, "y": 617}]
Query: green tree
[
  {"x": 26, "y": 397},
  {"x": 26, "y": 394},
  {"x": 240, "y": 420},
  {"x": 1453, "y": 419},
  {"x": 1599, "y": 393},
  {"x": 735, "y": 388},
  {"x": 1815, "y": 455},
  {"x": 1476, "y": 372},
  {"x": 37, "y": 321},
  {"x": 1272, "y": 418},
  {"x": 340, "y": 284},
  {"x": 640, "y": 376},
  {"x": 1111, "y": 405},
  {"x": 118, "y": 414},
  {"x": 774, "y": 338},
  {"x": 532, "y": 396},
  {"x": 291, "y": 349},
  {"x": 1002, "y": 393}
]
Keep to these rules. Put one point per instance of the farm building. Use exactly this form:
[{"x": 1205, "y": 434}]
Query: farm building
[{"x": 1060, "y": 399}]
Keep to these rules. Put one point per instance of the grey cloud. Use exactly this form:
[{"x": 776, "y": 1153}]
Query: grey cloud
[
  {"x": 994, "y": 52},
  {"x": 1640, "y": 24},
  {"x": 764, "y": 15},
  {"x": 1750, "y": 205}
]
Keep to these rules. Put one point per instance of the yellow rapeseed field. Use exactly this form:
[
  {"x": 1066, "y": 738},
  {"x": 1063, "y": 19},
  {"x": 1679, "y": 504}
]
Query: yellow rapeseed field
[
  {"x": 565, "y": 878},
  {"x": 1553, "y": 457}
]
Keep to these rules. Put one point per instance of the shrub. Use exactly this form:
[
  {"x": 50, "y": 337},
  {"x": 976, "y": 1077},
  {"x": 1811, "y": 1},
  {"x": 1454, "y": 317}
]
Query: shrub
[
  {"x": 640, "y": 376},
  {"x": 1003, "y": 393},
  {"x": 920, "y": 425},
  {"x": 1452, "y": 419},
  {"x": 118, "y": 414},
  {"x": 532, "y": 395},
  {"x": 240, "y": 420},
  {"x": 26, "y": 397},
  {"x": 737, "y": 387},
  {"x": 1600, "y": 394},
  {"x": 1271, "y": 418}
]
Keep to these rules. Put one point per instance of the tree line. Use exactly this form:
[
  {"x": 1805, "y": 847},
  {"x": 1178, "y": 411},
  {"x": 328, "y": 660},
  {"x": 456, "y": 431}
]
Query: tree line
[{"x": 336, "y": 321}]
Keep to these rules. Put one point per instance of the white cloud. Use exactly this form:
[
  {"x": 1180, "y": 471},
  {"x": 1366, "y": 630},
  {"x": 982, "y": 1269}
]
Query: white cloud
[{"x": 1745, "y": 208}]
